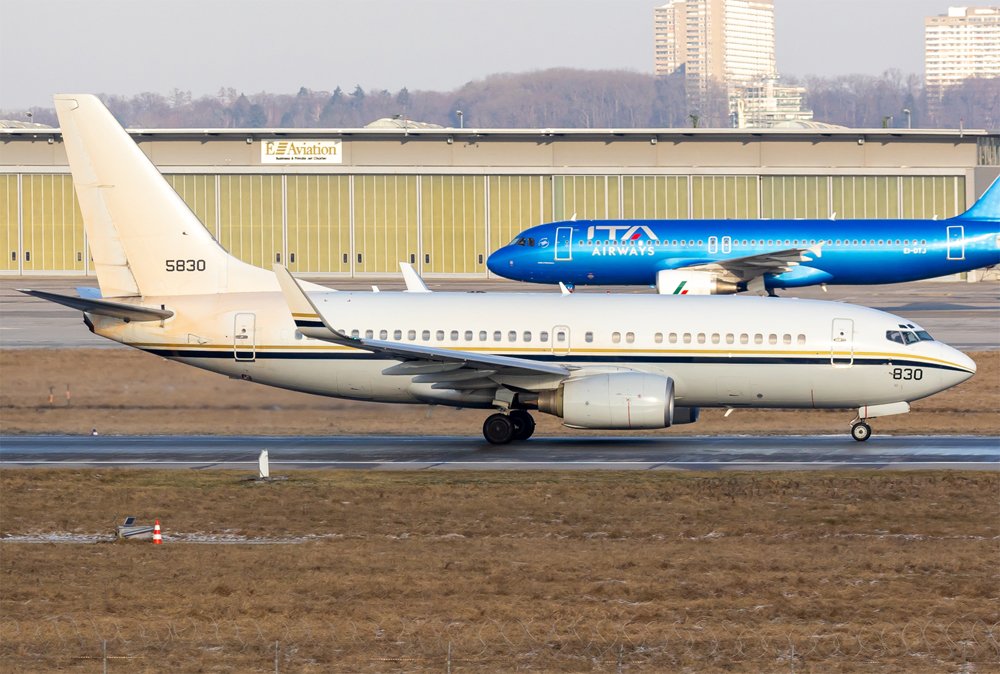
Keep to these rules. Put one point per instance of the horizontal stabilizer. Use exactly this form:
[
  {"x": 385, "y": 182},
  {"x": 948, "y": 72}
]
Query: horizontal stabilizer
[{"x": 126, "y": 312}]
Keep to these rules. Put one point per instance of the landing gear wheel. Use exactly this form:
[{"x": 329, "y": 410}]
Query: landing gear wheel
[
  {"x": 524, "y": 425},
  {"x": 498, "y": 429},
  {"x": 861, "y": 431}
]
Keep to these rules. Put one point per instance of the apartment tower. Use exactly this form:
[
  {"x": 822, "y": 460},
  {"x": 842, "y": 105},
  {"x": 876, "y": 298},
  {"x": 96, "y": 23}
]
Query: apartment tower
[
  {"x": 958, "y": 45},
  {"x": 728, "y": 43}
]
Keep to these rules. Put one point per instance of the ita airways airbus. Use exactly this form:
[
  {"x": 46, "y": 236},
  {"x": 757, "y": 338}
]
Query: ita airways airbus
[
  {"x": 597, "y": 361},
  {"x": 709, "y": 257}
]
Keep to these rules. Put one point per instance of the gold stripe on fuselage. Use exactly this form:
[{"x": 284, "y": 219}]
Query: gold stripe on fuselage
[{"x": 591, "y": 352}]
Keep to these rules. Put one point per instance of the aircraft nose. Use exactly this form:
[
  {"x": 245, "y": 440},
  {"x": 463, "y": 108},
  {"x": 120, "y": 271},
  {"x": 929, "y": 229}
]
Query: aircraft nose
[
  {"x": 966, "y": 367},
  {"x": 500, "y": 262}
]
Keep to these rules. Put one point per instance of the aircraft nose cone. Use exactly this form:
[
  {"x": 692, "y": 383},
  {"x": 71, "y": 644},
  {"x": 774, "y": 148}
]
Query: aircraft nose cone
[
  {"x": 499, "y": 262},
  {"x": 955, "y": 377}
]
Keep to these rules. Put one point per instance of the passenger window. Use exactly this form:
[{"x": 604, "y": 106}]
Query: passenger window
[
  {"x": 543, "y": 336},
  {"x": 630, "y": 337},
  {"x": 673, "y": 338},
  {"x": 588, "y": 337},
  {"x": 715, "y": 338},
  {"x": 355, "y": 334},
  {"x": 701, "y": 337},
  {"x": 411, "y": 334},
  {"x": 560, "y": 336},
  {"x": 454, "y": 335},
  {"x": 616, "y": 337},
  {"x": 527, "y": 335},
  {"x": 369, "y": 334},
  {"x": 658, "y": 338},
  {"x": 440, "y": 335},
  {"x": 758, "y": 338},
  {"x": 730, "y": 338},
  {"x": 744, "y": 338},
  {"x": 772, "y": 338},
  {"x": 497, "y": 336},
  {"x": 468, "y": 335},
  {"x": 787, "y": 339},
  {"x": 426, "y": 335},
  {"x": 687, "y": 337},
  {"x": 397, "y": 335},
  {"x": 802, "y": 339},
  {"x": 383, "y": 334},
  {"x": 512, "y": 336},
  {"x": 482, "y": 335}
]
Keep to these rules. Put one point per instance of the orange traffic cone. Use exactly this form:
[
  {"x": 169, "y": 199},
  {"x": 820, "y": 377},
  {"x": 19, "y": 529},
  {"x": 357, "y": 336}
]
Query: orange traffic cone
[{"x": 157, "y": 538}]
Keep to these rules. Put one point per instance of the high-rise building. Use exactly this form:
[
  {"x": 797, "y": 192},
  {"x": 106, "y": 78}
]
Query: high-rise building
[
  {"x": 958, "y": 45},
  {"x": 726, "y": 42}
]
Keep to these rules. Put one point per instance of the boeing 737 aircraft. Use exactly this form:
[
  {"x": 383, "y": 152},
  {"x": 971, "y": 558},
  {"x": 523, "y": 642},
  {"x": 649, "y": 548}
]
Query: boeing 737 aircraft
[
  {"x": 596, "y": 361},
  {"x": 708, "y": 257}
]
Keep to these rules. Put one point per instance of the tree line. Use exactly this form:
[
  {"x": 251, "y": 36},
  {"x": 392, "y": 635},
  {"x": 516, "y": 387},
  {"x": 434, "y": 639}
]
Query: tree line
[{"x": 554, "y": 98}]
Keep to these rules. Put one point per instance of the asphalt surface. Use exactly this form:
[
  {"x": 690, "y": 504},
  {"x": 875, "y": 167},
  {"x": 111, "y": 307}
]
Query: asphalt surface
[
  {"x": 964, "y": 315},
  {"x": 473, "y": 453}
]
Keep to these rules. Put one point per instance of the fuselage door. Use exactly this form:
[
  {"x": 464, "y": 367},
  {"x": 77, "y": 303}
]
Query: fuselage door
[
  {"x": 842, "y": 342},
  {"x": 560, "y": 340},
  {"x": 244, "y": 341},
  {"x": 956, "y": 242},
  {"x": 564, "y": 244}
]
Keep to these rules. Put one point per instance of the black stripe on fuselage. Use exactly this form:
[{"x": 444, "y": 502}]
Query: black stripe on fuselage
[{"x": 549, "y": 358}]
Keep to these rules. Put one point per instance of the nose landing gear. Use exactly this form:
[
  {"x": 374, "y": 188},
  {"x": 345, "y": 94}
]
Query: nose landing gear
[
  {"x": 500, "y": 429},
  {"x": 861, "y": 431}
]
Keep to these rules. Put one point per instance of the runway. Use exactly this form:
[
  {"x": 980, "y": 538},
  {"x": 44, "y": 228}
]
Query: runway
[{"x": 473, "y": 453}]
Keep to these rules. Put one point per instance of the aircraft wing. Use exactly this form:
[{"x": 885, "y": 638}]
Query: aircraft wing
[
  {"x": 744, "y": 269},
  {"x": 445, "y": 368}
]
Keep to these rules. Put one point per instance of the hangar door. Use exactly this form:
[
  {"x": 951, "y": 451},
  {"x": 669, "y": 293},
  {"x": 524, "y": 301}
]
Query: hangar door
[{"x": 453, "y": 224}]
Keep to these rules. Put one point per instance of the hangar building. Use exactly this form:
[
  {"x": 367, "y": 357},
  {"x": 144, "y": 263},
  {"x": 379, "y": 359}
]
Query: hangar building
[{"x": 355, "y": 202}]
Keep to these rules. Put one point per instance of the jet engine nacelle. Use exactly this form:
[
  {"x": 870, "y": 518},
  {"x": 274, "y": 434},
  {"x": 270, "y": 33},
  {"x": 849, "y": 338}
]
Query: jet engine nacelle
[
  {"x": 680, "y": 282},
  {"x": 620, "y": 400}
]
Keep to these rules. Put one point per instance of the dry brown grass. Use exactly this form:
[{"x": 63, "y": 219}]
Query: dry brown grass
[
  {"x": 122, "y": 391},
  {"x": 820, "y": 572}
]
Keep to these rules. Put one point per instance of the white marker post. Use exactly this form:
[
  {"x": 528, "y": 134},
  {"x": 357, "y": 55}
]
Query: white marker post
[{"x": 265, "y": 471}]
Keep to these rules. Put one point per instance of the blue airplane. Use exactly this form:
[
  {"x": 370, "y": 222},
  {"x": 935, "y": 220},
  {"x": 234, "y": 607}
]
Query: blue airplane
[{"x": 703, "y": 257}]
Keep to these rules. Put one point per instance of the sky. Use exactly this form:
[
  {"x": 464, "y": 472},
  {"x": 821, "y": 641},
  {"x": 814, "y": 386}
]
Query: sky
[{"x": 127, "y": 47}]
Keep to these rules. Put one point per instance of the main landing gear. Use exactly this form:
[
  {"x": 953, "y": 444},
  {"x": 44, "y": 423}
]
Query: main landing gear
[{"x": 499, "y": 429}]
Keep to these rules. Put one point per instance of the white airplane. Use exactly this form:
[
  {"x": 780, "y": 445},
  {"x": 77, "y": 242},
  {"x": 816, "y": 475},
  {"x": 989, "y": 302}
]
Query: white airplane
[{"x": 596, "y": 361}]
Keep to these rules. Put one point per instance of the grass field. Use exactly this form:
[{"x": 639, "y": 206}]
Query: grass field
[
  {"x": 123, "y": 391},
  {"x": 541, "y": 572}
]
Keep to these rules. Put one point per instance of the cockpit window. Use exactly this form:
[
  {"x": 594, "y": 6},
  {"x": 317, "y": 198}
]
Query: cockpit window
[
  {"x": 908, "y": 336},
  {"x": 525, "y": 241}
]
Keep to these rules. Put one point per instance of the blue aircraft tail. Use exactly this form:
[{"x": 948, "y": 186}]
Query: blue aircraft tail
[{"x": 988, "y": 205}]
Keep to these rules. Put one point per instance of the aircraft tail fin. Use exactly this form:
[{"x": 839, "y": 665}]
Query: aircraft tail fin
[
  {"x": 987, "y": 207},
  {"x": 143, "y": 237}
]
